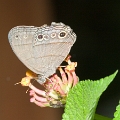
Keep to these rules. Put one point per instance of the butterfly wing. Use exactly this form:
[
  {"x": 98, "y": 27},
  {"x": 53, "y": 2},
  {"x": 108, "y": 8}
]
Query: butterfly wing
[{"x": 42, "y": 49}]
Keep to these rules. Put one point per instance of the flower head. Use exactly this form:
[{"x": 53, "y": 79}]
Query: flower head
[{"x": 56, "y": 87}]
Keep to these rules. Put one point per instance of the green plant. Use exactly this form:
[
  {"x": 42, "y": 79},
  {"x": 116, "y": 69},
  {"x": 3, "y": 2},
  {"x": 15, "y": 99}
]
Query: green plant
[{"x": 82, "y": 100}]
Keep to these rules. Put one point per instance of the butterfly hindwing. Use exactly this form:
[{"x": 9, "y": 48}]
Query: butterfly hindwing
[{"x": 42, "y": 49}]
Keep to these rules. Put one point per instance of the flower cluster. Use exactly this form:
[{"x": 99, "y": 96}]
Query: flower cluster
[{"x": 56, "y": 88}]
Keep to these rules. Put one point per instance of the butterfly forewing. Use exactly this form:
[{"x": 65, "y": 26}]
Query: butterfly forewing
[{"x": 42, "y": 49}]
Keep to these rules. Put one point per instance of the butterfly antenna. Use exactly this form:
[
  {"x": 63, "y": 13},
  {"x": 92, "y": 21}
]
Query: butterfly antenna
[
  {"x": 27, "y": 90},
  {"x": 17, "y": 83}
]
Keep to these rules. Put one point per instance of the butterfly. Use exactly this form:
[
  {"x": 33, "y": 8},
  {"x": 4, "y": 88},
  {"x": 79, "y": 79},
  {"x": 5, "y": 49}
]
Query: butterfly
[{"x": 42, "y": 49}]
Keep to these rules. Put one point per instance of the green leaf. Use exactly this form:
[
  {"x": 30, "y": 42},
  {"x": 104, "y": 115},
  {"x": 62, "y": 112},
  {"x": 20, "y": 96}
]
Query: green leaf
[
  {"x": 117, "y": 113},
  {"x": 83, "y": 98}
]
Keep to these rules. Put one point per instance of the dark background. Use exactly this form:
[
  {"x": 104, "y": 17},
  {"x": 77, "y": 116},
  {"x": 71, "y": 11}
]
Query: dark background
[{"x": 97, "y": 25}]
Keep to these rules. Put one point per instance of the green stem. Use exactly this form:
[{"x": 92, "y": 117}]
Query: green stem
[{"x": 100, "y": 117}]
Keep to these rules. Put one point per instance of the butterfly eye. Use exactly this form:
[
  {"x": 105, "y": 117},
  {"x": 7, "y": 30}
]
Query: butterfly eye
[
  {"x": 40, "y": 37},
  {"x": 62, "y": 34},
  {"x": 16, "y": 36},
  {"x": 46, "y": 37},
  {"x": 53, "y": 35}
]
